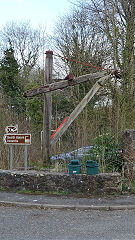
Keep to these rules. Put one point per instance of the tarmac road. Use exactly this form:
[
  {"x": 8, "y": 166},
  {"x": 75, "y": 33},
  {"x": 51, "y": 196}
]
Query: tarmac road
[{"x": 17, "y": 223}]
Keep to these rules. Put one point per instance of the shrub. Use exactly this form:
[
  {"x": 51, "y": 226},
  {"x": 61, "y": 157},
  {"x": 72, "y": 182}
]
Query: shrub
[{"x": 108, "y": 153}]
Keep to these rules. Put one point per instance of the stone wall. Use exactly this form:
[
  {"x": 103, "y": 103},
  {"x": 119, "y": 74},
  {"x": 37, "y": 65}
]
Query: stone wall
[
  {"x": 129, "y": 141},
  {"x": 129, "y": 155},
  {"x": 100, "y": 184}
]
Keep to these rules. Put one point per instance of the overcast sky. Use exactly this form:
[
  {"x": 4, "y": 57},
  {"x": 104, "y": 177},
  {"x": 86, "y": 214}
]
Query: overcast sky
[{"x": 39, "y": 12}]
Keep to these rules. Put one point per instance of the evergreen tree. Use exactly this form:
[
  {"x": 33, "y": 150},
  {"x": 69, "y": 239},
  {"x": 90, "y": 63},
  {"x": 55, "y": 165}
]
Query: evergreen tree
[{"x": 10, "y": 83}]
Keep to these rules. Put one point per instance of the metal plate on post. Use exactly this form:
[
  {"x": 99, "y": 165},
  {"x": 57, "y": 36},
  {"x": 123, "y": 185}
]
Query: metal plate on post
[
  {"x": 11, "y": 129},
  {"x": 17, "y": 139}
]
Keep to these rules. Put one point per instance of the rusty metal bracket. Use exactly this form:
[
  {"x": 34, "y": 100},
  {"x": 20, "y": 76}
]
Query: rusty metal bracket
[
  {"x": 70, "y": 79},
  {"x": 117, "y": 74}
]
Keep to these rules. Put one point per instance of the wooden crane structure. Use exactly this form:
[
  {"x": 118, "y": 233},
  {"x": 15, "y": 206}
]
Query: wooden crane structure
[{"x": 49, "y": 86}]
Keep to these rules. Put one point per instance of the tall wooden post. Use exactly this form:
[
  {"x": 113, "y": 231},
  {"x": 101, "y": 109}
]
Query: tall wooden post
[{"x": 47, "y": 114}]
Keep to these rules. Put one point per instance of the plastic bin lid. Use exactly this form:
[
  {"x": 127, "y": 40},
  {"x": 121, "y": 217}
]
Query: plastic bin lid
[
  {"x": 90, "y": 161},
  {"x": 75, "y": 161}
]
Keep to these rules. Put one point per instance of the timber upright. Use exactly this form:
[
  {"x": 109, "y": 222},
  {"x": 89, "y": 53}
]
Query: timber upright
[{"x": 47, "y": 112}]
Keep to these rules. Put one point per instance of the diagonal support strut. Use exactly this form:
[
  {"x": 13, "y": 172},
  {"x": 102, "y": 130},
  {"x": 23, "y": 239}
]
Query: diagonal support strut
[{"x": 80, "y": 107}]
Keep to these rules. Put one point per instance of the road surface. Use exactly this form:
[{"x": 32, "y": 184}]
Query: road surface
[{"x": 35, "y": 224}]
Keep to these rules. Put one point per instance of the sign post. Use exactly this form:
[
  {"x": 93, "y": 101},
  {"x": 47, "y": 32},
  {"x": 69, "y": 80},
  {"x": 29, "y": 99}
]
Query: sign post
[
  {"x": 11, "y": 139},
  {"x": 11, "y": 157},
  {"x": 25, "y": 158}
]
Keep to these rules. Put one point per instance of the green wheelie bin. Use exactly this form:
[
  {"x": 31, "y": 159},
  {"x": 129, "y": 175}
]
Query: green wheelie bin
[
  {"x": 74, "y": 167},
  {"x": 92, "y": 167}
]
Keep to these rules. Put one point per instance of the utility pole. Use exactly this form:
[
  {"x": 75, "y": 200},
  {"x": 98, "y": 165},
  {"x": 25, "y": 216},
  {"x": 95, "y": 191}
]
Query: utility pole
[{"x": 47, "y": 111}]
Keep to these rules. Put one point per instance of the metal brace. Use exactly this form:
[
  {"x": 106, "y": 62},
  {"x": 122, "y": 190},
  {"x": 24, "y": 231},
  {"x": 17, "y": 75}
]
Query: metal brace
[{"x": 70, "y": 79}]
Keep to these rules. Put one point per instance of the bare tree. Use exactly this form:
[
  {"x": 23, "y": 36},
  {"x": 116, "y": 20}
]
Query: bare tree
[
  {"x": 115, "y": 18},
  {"x": 76, "y": 38},
  {"x": 26, "y": 42}
]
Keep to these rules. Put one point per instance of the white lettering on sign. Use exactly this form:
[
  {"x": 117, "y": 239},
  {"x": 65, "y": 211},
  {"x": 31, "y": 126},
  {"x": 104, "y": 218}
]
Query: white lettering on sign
[
  {"x": 19, "y": 137},
  {"x": 10, "y": 137}
]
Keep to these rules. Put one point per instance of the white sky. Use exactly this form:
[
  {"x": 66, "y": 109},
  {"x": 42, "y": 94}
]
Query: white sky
[{"x": 39, "y": 12}]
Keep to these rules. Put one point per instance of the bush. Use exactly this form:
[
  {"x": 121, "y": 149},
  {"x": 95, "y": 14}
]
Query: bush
[{"x": 107, "y": 153}]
